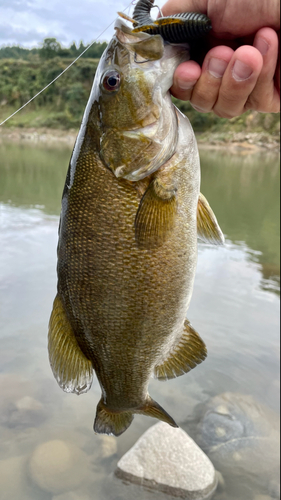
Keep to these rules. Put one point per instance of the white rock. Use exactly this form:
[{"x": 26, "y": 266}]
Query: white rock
[
  {"x": 57, "y": 466},
  {"x": 167, "y": 459}
]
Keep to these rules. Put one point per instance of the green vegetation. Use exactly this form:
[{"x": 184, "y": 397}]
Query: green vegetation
[
  {"x": 52, "y": 48},
  {"x": 251, "y": 121},
  {"x": 24, "y": 72}
]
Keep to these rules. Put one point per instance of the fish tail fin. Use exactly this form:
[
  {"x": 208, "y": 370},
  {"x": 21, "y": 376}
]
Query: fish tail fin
[
  {"x": 153, "y": 409},
  {"x": 113, "y": 424}
]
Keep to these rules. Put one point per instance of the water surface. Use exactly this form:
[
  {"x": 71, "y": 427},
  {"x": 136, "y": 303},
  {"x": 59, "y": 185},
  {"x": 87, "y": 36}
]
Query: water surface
[{"x": 235, "y": 308}]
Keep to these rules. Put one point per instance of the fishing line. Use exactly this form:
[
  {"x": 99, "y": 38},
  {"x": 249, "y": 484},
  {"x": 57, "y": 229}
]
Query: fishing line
[{"x": 64, "y": 71}]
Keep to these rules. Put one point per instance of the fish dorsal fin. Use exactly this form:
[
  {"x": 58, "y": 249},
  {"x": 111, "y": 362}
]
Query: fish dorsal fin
[
  {"x": 188, "y": 353},
  {"x": 156, "y": 216},
  {"x": 208, "y": 228},
  {"x": 72, "y": 370}
]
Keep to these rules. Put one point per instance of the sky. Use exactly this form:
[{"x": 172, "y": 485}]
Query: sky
[{"x": 28, "y": 22}]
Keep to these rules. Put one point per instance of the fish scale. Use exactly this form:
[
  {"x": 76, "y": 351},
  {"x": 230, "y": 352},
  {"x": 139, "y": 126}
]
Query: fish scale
[{"x": 102, "y": 263}]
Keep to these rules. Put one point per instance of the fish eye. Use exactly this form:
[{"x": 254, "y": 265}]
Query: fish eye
[{"x": 111, "y": 81}]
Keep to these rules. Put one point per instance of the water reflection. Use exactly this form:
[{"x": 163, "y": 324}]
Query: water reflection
[
  {"x": 33, "y": 176},
  {"x": 233, "y": 308},
  {"x": 244, "y": 192}
]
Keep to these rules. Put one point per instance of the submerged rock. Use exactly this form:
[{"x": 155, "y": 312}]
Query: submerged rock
[
  {"x": 73, "y": 495},
  {"x": 58, "y": 467},
  {"x": 26, "y": 412},
  {"x": 168, "y": 460},
  {"x": 108, "y": 446},
  {"x": 19, "y": 407},
  {"x": 262, "y": 497},
  {"x": 241, "y": 437}
]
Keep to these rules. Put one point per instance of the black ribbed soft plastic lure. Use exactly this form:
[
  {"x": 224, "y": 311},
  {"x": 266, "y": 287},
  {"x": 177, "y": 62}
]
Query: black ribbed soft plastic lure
[{"x": 178, "y": 28}]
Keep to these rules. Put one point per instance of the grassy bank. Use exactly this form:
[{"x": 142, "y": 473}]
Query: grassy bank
[{"x": 61, "y": 106}]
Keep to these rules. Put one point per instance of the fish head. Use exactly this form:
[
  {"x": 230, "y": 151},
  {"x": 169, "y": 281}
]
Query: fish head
[{"x": 137, "y": 121}]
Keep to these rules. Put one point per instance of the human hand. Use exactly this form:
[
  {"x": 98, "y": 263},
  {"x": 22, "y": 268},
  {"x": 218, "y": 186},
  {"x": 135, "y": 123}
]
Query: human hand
[{"x": 241, "y": 69}]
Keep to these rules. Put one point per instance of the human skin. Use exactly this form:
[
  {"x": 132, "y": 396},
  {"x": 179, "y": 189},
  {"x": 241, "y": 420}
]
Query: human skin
[{"x": 241, "y": 68}]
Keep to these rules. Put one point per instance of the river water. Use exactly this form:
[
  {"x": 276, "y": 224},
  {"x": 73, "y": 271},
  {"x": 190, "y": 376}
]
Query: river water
[{"x": 235, "y": 308}]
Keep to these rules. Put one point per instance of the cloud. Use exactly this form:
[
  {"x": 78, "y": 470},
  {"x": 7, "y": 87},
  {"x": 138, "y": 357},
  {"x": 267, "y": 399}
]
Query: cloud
[{"x": 28, "y": 22}]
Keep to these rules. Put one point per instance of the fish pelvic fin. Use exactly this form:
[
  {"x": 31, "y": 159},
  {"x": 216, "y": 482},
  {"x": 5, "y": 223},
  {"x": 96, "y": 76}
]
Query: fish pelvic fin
[
  {"x": 153, "y": 409},
  {"x": 188, "y": 353},
  {"x": 111, "y": 423},
  {"x": 208, "y": 228},
  {"x": 72, "y": 370}
]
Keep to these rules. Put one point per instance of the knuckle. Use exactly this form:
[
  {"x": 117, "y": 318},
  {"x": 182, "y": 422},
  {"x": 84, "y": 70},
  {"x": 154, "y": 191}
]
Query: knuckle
[
  {"x": 225, "y": 113},
  {"x": 229, "y": 97},
  {"x": 263, "y": 105},
  {"x": 202, "y": 101},
  {"x": 254, "y": 104}
]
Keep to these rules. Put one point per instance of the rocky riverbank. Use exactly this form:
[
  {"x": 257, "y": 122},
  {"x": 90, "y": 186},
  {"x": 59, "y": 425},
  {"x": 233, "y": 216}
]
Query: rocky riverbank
[{"x": 237, "y": 142}]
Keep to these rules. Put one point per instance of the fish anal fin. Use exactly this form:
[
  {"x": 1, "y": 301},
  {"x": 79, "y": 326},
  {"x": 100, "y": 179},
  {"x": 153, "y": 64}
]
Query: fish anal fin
[
  {"x": 111, "y": 423},
  {"x": 72, "y": 370},
  {"x": 156, "y": 216},
  {"x": 208, "y": 228},
  {"x": 154, "y": 410},
  {"x": 188, "y": 353}
]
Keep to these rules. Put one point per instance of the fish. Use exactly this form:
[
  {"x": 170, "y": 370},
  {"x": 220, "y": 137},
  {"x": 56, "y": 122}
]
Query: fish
[{"x": 127, "y": 251}]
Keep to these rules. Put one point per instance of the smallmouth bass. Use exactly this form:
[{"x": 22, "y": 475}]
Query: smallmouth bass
[{"x": 127, "y": 251}]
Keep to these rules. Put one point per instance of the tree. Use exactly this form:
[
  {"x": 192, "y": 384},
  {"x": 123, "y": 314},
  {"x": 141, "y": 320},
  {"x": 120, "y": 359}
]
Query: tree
[{"x": 50, "y": 48}]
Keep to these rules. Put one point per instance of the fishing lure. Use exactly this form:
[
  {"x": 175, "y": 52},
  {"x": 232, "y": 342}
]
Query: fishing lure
[{"x": 178, "y": 28}]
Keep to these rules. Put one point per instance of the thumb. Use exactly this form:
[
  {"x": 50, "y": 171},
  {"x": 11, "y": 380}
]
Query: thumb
[{"x": 176, "y": 6}]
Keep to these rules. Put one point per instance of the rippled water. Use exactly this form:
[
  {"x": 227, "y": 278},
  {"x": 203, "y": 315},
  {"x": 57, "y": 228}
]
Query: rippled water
[{"x": 235, "y": 308}]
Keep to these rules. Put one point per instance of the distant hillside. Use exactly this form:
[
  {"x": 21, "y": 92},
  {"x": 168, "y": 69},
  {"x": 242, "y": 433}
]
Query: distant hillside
[
  {"x": 52, "y": 48},
  {"x": 24, "y": 72}
]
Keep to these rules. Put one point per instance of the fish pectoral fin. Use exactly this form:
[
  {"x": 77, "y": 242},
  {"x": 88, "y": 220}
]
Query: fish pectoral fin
[
  {"x": 72, "y": 370},
  {"x": 113, "y": 424},
  {"x": 208, "y": 228},
  {"x": 156, "y": 215},
  {"x": 154, "y": 410},
  {"x": 188, "y": 353}
]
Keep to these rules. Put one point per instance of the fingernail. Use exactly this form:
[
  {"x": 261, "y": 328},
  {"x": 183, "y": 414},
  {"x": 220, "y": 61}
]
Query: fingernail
[
  {"x": 217, "y": 67},
  {"x": 241, "y": 71},
  {"x": 185, "y": 85},
  {"x": 262, "y": 45}
]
